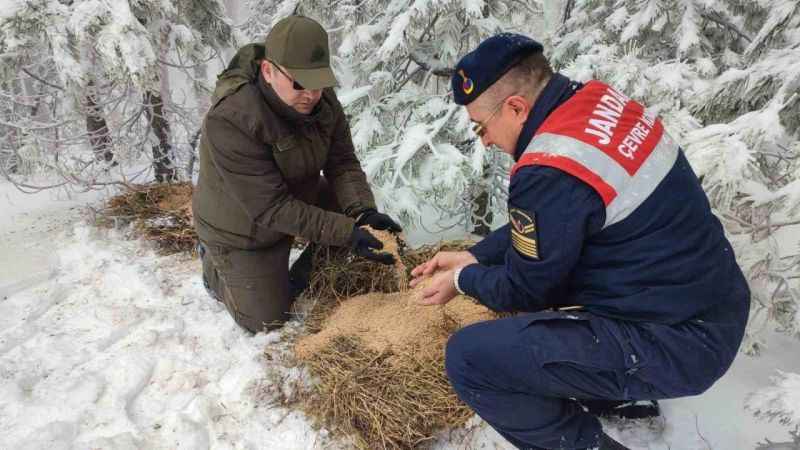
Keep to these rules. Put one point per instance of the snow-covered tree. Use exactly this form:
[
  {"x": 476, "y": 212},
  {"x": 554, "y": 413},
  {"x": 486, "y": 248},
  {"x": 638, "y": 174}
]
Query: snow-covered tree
[{"x": 104, "y": 69}]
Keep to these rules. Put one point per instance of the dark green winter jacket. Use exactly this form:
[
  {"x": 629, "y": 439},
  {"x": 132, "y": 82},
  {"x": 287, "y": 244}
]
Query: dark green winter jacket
[{"x": 260, "y": 163}]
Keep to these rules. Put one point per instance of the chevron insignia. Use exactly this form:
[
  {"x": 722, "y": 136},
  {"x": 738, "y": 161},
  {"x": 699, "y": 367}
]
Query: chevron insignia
[{"x": 524, "y": 234}]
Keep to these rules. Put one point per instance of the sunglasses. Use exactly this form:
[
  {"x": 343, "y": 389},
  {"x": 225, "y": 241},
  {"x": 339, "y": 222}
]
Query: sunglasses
[
  {"x": 297, "y": 86},
  {"x": 480, "y": 127}
]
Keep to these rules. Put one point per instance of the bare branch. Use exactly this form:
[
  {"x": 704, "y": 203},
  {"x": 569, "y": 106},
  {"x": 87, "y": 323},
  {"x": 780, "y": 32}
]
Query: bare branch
[
  {"x": 771, "y": 226},
  {"x": 439, "y": 70},
  {"x": 36, "y": 127},
  {"x": 10, "y": 55},
  {"x": 46, "y": 83},
  {"x": 183, "y": 66},
  {"x": 22, "y": 186},
  {"x": 719, "y": 20}
]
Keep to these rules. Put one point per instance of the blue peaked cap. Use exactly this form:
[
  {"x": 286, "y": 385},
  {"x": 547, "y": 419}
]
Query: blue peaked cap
[{"x": 481, "y": 67}]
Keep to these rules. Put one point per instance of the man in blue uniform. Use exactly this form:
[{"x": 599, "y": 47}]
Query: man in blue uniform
[{"x": 629, "y": 287}]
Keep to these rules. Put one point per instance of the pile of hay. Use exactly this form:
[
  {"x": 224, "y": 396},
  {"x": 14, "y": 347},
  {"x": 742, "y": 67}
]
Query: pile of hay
[
  {"x": 378, "y": 355},
  {"x": 160, "y": 212},
  {"x": 338, "y": 275}
]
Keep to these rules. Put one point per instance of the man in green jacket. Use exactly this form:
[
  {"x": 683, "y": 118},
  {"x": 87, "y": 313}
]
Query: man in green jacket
[{"x": 276, "y": 162}]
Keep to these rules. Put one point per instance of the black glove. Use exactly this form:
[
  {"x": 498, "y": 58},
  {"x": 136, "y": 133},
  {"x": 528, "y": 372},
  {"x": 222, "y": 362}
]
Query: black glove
[
  {"x": 363, "y": 244},
  {"x": 378, "y": 221}
]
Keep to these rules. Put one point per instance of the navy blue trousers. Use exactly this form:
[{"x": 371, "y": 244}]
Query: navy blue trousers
[{"x": 525, "y": 375}]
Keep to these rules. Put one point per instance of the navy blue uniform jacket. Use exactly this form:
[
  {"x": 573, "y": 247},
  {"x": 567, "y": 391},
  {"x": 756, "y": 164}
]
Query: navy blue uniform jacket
[{"x": 668, "y": 262}]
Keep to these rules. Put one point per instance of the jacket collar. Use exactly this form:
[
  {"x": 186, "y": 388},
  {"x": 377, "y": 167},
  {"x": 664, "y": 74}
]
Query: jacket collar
[{"x": 557, "y": 91}]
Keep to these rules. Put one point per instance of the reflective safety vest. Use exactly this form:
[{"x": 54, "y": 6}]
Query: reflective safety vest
[{"x": 610, "y": 142}]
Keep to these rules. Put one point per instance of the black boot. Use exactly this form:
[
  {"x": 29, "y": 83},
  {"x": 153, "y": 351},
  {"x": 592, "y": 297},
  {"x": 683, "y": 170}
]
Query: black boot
[
  {"x": 641, "y": 409},
  {"x": 300, "y": 272},
  {"x": 208, "y": 272},
  {"x": 608, "y": 443}
]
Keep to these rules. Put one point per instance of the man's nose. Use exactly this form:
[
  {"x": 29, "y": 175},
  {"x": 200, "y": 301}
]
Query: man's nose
[{"x": 312, "y": 94}]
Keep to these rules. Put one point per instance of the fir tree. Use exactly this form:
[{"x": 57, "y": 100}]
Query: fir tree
[{"x": 105, "y": 70}]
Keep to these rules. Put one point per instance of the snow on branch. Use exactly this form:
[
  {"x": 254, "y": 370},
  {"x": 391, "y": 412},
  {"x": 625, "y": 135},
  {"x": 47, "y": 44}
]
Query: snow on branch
[
  {"x": 717, "y": 18},
  {"x": 430, "y": 64},
  {"x": 781, "y": 12}
]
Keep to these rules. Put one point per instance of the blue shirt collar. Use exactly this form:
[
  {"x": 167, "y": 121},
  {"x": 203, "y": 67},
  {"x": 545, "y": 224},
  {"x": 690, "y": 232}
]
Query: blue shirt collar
[{"x": 558, "y": 90}]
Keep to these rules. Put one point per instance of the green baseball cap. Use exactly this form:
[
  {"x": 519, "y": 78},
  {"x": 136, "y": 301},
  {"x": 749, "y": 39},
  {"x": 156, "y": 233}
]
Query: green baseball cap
[{"x": 300, "y": 45}]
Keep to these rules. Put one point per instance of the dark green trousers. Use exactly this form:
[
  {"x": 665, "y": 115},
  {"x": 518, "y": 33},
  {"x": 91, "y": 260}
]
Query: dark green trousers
[
  {"x": 252, "y": 281},
  {"x": 253, "y": 284}
]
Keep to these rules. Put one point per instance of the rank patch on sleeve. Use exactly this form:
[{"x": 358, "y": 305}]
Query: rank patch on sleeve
[{"x": 524, "y": 234}]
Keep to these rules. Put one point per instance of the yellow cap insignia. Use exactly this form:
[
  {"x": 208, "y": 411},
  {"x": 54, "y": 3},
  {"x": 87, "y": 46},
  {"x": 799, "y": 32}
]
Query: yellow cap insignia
[
  {"x": 524, "y": 234},
  {"x": 467, "y": 85}
]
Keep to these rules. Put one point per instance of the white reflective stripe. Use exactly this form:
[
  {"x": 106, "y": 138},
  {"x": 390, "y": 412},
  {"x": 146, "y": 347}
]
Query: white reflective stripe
[
  {"x": 587, "y": 155},
  {"x": 631, "y": 191},
  {"x": 647, "y": 178}
]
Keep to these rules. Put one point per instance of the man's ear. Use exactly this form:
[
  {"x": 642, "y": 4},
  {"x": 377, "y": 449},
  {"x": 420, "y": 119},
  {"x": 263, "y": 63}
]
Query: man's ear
[
  {"x": 520, "y": 106},
  {"x": 266, "y": 70}
]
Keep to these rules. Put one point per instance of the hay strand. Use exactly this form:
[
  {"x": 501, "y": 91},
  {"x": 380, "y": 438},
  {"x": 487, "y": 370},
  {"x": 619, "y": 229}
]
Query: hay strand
[
  {"x": 161, "y": 213},
  {"x": 381, "y": 403}
]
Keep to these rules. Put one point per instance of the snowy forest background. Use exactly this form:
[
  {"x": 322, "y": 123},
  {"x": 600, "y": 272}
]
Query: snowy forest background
[{"x": 112, "y": 92}]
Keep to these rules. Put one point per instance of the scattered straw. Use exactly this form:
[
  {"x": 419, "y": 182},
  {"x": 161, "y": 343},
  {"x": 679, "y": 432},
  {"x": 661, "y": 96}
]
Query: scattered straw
[
  {"x": 378, "y": 355},
  {"x": 383, "y": 404},
  {"x": 160, "y": 212},
  {"x": 338, "y": 274}
]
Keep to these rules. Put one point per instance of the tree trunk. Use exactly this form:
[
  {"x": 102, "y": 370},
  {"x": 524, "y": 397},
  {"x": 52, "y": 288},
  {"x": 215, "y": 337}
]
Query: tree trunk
[
  {"x": 567, "y": 11},
  {"x": 97, "y": 127},
  {"x": 481, "y": 214},
  {"x": 8, "y": 135},
  {"x": 481, "y": 204},
  {"x": 193, "y": 158},
  {"x": 163, "y": 157},
  {"x": 162, "y": 161}
]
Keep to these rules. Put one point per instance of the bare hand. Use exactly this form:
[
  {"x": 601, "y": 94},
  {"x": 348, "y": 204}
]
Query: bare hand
[
  {"x": 440, "y": 262},
  {"x": 440, "y": 290}
]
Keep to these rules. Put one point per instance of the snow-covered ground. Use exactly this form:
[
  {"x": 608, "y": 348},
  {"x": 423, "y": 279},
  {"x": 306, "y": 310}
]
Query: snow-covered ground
[{"x": 104, "y": 344}]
